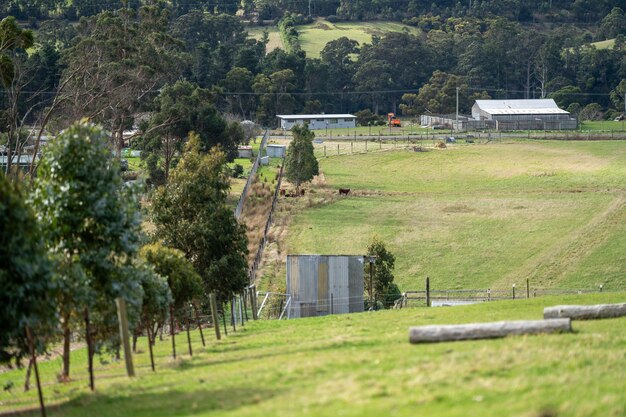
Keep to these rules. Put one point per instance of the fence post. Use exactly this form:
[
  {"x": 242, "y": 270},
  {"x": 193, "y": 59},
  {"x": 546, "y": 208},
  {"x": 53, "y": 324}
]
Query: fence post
[
  {"x": 427, "y": 292},
  {"x": 527, "y": 288},
  {"x": 245, "y": 304},
  {"x": 488, "y": 294},
  {"x": 214, "y": 317},
  {"x": 324, "y": 151},
  {"x": 514, "y": 291},
  {"x": 601, "y": 287},
  {"x": 337, "y": 149},
  {"x": 331, "y": 303},
  {"x": 253, "y": 303},
  {"x": 123, "y": 320},
  {"x": 352, "y": 145}
]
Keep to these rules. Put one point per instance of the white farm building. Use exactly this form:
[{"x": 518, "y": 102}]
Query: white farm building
[
  {"x": 317, "y": 121},
  {"x": 537, "y": 114}
]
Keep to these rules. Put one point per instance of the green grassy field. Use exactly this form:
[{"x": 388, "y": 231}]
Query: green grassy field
[
  {"x": 606, "y": 125},
  {"x": 359, "y": 365},
  {"x": 275, "y": 41},
  {"x": 479, "y": 215},
  {"x": 314, "y": 36}
]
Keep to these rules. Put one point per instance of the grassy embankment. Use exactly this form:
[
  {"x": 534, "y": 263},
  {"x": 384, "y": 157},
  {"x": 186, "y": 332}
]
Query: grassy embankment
[
  {"x": 360, "y": 365},
  {"x": 473, "y": 216}
]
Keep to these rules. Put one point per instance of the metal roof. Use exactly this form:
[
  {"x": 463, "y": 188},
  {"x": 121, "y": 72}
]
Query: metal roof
[
  {"x": 538, "y": 106},
  {"x": 315, "y": 116}
]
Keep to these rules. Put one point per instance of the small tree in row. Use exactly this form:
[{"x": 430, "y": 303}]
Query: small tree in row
[
  {"x": 300, "y": 163},
  {"x": 91, "y": 226},
  {"x": 190, "y": 214},
  {"x": 27, "y": 304}
]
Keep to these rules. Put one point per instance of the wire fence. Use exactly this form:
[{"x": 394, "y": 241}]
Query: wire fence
[
  {"x": 442, "y": 297},
  {"x": 255, "y": 167},
  {"x": 268, "y": 224},
  {"x": 187, "y": 331}
]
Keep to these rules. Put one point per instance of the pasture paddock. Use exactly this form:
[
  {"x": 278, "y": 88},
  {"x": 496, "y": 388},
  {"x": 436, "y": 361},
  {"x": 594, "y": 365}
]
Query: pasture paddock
[{"x": 478, "y": 216}]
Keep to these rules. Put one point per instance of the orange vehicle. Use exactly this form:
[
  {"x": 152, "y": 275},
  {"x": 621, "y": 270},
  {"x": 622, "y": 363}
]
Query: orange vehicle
[{"x": 393, "y": 121}]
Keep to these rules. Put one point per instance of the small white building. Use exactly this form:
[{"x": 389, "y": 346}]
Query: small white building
[
  {"x": 276, "y": 151},
  {"x": 317, "y": 121}
]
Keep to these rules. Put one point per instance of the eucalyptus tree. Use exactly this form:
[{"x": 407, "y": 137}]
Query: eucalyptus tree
[
  {"x": 190, "y": 214},
  {"x": 119, "y": 61},
  {"x": 92, "y": 229},
  {"x": 300, "y": 163},
  {"x": 27, "y": 303}
]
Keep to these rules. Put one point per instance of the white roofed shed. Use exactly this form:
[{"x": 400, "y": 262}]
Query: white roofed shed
[{"x": 317, "y": 121}]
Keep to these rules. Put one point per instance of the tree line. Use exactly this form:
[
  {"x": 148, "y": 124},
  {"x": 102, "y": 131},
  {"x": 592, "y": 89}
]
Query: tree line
[{"x": 72, "y": 243}]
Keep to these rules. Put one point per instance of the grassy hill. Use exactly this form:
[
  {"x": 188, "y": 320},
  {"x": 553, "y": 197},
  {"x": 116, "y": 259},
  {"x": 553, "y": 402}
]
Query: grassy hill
[
  {"x": 314, "y": 36},
  {"x": 358, "y": 365},
  {"x": 478, "y": 215}
]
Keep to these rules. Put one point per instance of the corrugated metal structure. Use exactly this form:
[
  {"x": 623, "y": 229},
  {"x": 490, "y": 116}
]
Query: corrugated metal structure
[
  {"x": 317, "y": 121},
  {"x": 537, "y": 114},
  {"x": 319, "y": 285}
]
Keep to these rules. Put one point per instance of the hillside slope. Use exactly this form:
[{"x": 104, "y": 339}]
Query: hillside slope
[{"x": 478, "y": 216}]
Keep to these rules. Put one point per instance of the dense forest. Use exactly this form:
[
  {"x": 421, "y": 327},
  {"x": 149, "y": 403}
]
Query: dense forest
[{"x": 109, "y": 61}]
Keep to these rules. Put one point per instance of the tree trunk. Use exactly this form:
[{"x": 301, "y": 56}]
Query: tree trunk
[
  {"x": 65, "y": 375},
  {"x": 27, "y": 379},
  {"x": 473, "y": 331},
  {"x": 591, "y": 312}
]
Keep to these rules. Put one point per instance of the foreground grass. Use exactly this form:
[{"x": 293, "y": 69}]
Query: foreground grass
[
  {"x": 363, "y": 365},
  {"x": 482, "y": 215}
]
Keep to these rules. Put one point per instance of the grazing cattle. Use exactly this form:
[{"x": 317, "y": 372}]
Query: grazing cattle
[
  {"x": 344, "y": 191},
  {"x": 302, "y": 192},
  {"x": 283, "y": 191}
]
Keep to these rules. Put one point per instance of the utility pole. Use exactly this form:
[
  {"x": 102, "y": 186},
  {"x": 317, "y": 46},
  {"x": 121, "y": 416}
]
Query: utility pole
[
  {"x": 310, "y": 8},
  {"x": 457, "y": 109}
]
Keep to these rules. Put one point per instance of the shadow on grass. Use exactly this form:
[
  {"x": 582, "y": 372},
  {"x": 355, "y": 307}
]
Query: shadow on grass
[{"x": 154, "y": 404}]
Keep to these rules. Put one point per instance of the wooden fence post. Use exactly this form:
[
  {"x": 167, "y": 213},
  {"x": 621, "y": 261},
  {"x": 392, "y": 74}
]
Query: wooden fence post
[
  {"x": 214, "y": 316},
  {"x": 514, "y": 291},
  {"x": 527, "y": 288},
  {"x": 253, "y": 302},
  {"x": 123, "y": 320},
  {"x": 33, "y": 358},
  {"x": 427, "y": 292},
  {"x": 337, "y": 149},
  {"x": 331, "y": 304},
  {"x": 244, "y": 298}
]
